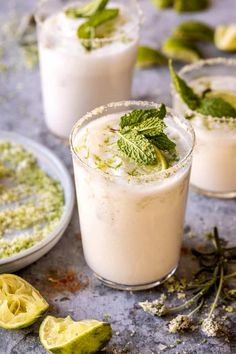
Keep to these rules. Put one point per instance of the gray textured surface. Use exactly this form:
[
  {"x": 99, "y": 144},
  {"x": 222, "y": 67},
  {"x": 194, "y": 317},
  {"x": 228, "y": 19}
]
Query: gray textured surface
[{"x": 21, "y": 111}]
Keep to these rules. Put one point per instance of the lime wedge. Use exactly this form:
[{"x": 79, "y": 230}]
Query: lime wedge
[
  {"x": 225, "y": 37},
  {"x": 161, "y": 159},
  {"x": 65, "y": 336},
  {"x": 229, "y": 97},
  {"x": 180, "y": 49},
  {"x": 20, "y": 303}
]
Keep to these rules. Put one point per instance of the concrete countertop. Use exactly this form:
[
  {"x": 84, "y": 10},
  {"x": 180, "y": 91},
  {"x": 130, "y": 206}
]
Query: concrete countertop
[{"x": 82, "y": 296}]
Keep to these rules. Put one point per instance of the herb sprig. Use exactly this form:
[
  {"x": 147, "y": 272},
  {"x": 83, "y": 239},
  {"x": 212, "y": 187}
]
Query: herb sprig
[
  {"x": 211, "y": 279},
  {"x": 98, "y": 16},
  {"x": 209, "y": 106},
  {"x": 142, "y": 138},
  {"x": 86, "y": 10}
]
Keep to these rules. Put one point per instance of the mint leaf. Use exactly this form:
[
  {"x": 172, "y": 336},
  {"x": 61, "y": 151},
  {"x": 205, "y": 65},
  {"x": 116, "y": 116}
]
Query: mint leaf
[
  {"x": 151, "y": 126},
  {"x": 139, "y": 115},
  {"x": 194, "y": 31},
  {"x": 86, "y": 10},
  {"x": 89, "y": 29},
  {"x": 137, "y": 147},
  {"x": 191, "y": 99},
  {"x": 162, "y": 142},
  {"x": 148, "y": 56},
  {"x": 216, "y": 107}
]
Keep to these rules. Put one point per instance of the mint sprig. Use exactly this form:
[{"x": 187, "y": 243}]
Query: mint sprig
[
  {"x": 139, "y": 115},
  {"x": 209, "y": 106},
  {"x": 162, "y": 142},
  {"x": 216, "y": 107},
  {"x": 142, "y": 137},
  {"x": 187, "y": 94},
  {"x": 137, "y": 147},
  {"x": 91, "y": 28},
  {"x": 86, "y": 10}
]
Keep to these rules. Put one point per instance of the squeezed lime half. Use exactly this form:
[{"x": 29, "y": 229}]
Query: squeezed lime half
[
  {"x": 20, "y": 303},
  {"x": 65, "y": 336}
]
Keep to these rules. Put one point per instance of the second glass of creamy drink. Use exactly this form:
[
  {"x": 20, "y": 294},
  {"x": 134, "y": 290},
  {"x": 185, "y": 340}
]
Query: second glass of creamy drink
[
  {"x": 210, "y": 103},
  {"x": 132, "y": 164},
  {"x": 87, "y": 53}
]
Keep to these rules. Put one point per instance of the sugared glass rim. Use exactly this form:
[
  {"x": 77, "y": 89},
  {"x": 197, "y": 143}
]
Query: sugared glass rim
[
  {"x": 159, "y": 175},
  {"x": 96, "y": 41},
  {"x": 197, "y": 66}
]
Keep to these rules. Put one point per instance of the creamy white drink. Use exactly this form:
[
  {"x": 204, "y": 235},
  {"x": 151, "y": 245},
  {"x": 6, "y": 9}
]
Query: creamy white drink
[
  {"x": 74, "y": 79},
  {"x": 131, "y": 216},
  {"x": 214, "y": 159}
]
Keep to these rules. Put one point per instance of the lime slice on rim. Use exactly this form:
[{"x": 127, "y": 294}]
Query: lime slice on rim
[
  {"x": 65, "y": 336},
  {"x": 161, "y": 159},
  {"x": 20, "y": 303},
  {"x": 229, "y": 97}
]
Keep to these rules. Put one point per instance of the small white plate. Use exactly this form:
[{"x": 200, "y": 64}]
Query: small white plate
[{"x": 56, "y": 169}]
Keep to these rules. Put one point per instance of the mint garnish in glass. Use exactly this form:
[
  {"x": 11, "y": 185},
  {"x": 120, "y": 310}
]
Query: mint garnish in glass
[
  {"x": 142, "y": 138},
  {"x": 209, "y": 106}
]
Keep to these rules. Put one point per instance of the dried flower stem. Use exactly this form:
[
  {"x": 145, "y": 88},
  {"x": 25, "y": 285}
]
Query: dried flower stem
[{"x": 213, "y": 306}]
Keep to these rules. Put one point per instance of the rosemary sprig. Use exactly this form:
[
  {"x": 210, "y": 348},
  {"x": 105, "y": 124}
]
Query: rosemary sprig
[{"x": 210, "y": 279}]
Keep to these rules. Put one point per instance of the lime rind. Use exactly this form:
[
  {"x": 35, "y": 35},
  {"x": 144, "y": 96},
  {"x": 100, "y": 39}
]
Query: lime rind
[
  {"x": 65, "y": 336},
  {"x": 20, "y": 303}
]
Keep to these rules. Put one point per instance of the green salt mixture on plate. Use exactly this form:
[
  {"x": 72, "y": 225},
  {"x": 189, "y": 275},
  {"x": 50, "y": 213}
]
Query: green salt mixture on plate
[{"x": 31, "y": 202}]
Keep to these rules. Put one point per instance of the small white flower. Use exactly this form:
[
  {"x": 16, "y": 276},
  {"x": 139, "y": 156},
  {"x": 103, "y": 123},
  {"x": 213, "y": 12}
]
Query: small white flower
[
  {"x": 180, "y": 323},
  {"x": 211, "y": 327}
]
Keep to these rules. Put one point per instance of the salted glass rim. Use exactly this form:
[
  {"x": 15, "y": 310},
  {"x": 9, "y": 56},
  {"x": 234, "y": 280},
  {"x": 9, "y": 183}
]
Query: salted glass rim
[
  {"x": 117, "y": 37},
  {"x": 159, "y": 175},
  {"x": 197, "y": 66}
]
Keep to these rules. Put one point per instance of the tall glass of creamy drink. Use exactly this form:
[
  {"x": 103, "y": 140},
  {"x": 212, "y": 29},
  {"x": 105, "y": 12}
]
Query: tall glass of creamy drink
[
  {"x": 132, "y": 214},
  {"x": 87, "y": 52},
  {"x": 214, "y": 159}
]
